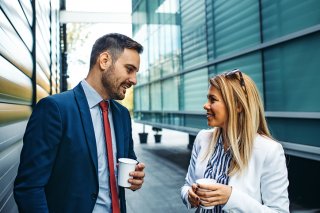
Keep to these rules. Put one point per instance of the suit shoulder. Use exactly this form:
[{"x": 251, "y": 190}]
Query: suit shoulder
[
  {"x": 61, "y": 99},
  {"x": 204, "y": 137},
  {"x": 204, "y": 133},
  {"x": 264, "y": 146},
  {"x": 262, "y": 141}
]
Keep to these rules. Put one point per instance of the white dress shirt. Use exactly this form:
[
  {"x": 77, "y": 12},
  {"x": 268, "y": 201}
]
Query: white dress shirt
[{"x": 103, "y": 203}]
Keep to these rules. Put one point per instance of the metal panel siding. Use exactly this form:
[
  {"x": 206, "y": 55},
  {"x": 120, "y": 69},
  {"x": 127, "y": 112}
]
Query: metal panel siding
[
  {"x": 10, "y": 113},
  {"x": 15, "y": 14},
  {"x": 193, "y": 32},
  {"x": 210, "y": 29},
  {"x": 10, "y": 43},
  {"x": 16, "y": 83},
  {"x": 276, "y": 43},
  {"x": 236, "y": 27},
  {"x": 299, "y": 131},
  {"x": 42, "y": 79},
  {"x": 27, "y": 8},
  {"x": 9, "y": 134},
  {"x": 8, "y": 170},
  {"x": 15, "y": 86},
  {"x": 195, "y": 89},
  {"x": 288, "y": 16},
  {"x": 251, "y": 64},
  {"x": 292, "y": 76},
  {"x": 41, "y": 93}
]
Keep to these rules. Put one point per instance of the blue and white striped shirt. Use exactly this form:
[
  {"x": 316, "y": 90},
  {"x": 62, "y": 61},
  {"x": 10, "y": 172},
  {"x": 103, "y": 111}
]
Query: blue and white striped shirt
[{"x": 217, "y": 168}]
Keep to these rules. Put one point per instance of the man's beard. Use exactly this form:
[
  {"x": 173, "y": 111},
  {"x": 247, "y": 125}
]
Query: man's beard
[{"x": 110, "y": 84}]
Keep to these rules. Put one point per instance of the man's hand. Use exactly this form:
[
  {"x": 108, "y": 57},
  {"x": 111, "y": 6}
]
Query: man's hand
[{"x": 137, "y": 177}]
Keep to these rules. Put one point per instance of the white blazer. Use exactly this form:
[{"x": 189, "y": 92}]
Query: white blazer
[{"x": 262, "y": 187}]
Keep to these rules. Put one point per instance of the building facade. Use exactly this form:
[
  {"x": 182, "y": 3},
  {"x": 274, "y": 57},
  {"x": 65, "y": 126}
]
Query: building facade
[
  {"x": 277, "y": 43},
  {"x": 29, "y": 71}
]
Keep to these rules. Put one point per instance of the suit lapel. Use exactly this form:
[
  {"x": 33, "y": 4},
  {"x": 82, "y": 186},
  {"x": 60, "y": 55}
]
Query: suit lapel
[
  {"x": 87, "y": 123},
  {"x": 118, "y": 128}
]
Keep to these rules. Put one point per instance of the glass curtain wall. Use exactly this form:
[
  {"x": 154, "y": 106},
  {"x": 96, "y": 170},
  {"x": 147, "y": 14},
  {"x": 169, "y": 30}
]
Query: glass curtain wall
[
  {"x": 156, "y": 25},
  {"x": 277, "y": 43}
]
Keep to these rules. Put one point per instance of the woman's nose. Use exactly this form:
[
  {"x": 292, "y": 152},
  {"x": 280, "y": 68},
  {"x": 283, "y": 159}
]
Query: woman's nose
[{"x": 205, "y": 106}]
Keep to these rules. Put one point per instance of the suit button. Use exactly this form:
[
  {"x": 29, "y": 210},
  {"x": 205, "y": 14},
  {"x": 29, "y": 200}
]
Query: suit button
[{"x": 94, "y": 196}]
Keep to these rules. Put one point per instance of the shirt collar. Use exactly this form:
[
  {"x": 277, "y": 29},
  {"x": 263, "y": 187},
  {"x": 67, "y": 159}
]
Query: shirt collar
[{"x": 92, "y": 95}]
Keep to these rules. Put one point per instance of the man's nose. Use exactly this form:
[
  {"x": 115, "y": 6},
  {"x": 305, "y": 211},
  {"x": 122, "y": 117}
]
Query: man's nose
[{"x": 133, "y": 79}]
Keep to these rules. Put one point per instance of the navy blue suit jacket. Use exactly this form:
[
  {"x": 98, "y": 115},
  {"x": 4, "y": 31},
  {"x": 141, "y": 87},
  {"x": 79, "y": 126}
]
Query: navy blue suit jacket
[{"x": 58, "y": 171}]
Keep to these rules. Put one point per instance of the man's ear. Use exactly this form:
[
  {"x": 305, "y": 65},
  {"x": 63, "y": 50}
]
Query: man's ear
[{"x": 104, "y": 60}]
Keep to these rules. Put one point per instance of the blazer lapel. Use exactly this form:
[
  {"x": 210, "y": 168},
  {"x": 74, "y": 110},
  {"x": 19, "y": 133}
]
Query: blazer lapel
[
  {"x": 87, "y": 123},
  {"x": 118, "y": 127}
]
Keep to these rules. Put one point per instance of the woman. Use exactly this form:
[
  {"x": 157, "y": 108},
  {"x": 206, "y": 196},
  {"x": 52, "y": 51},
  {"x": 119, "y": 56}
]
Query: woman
[{"x": 239, "y": 153}]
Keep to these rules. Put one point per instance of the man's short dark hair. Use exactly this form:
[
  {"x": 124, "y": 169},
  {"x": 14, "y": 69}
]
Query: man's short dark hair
[{"x": 115, "y": 44}]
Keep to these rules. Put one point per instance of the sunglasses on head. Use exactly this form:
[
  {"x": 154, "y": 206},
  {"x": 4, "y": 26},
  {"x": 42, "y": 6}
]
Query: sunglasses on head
[{"x": 234, "y": 74}]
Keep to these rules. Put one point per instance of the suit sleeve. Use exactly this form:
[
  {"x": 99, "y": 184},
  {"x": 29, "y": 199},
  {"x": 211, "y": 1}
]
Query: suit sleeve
[
  {"x": 40, "y": 145},
  {"x": 132, "y": 154},
  {"x": 190, "y": 177},
  {"x": 274, "y": 184}
]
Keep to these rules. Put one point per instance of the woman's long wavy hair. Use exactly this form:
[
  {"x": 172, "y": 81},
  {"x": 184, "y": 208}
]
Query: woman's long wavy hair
[{"x": 245, "y": 118}]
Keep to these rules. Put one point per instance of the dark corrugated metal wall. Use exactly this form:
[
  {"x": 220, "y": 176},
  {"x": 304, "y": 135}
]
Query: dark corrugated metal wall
[{"x": 29, "y": 71}]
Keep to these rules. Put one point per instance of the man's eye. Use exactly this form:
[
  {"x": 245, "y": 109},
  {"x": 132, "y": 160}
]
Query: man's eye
[{"x": 129, "y": 69}]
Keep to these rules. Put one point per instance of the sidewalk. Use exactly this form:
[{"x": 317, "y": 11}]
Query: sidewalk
[{"x": 166, "y": 167}]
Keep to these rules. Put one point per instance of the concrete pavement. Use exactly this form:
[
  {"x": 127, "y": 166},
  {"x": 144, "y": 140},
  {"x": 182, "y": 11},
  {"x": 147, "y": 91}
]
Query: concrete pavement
[
  {"x": 166, "y": 166},
  {"x": 164, "y": 177}
]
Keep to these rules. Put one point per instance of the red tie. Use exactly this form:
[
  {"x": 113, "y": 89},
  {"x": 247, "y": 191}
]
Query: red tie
[{"x": 112, "y": 177}]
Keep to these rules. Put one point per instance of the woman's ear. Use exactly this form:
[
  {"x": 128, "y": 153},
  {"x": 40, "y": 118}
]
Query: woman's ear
[
  {"x": 239, "y": 107},
  {"x": 104, "y": 60}
]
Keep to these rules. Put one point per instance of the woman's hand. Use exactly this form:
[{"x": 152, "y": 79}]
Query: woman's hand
[
  {"x": 213, "y": 194},
  {"x": 192, "y": 196}
]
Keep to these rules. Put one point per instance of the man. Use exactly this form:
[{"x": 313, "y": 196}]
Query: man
[{"x": 65, "y": 165}]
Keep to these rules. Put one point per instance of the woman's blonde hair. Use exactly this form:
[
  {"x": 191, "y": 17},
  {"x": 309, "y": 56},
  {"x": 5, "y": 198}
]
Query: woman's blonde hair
[{"x": 245, "y": 117}]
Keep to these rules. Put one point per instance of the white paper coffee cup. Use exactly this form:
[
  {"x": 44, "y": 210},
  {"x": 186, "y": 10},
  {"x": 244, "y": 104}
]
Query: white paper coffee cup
[
  {"x": 126, "y": 165},
  {"x": 205, "y": 181}
]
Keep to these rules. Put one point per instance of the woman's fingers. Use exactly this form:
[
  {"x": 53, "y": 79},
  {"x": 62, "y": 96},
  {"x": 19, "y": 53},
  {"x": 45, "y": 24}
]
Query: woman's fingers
[
  {"x": 219, "y": 194},
  {"x": 193, "y": 198}
]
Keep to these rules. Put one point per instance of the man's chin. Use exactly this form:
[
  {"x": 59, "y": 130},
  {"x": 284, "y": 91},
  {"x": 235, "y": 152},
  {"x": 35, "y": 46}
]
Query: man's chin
[{"x": 120, "y": 97}]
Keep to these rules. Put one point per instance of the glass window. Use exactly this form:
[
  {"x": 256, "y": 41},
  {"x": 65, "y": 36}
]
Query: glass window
[
  {"x": 236, "y": 27},
  {"x": 249, "y": 64},
  {"x": 194, "y": 46},
  {"x": 195, "y": 86},
  {"x": 170, "y": 94},
  {"x": 288, "y": 16},
  {"x": 145, "y": 98},
  {"x": 156, "y": 96},
  {"x": 292, "y": 75},
  {"x": 137, "y": 99}
]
